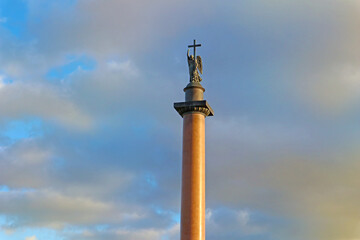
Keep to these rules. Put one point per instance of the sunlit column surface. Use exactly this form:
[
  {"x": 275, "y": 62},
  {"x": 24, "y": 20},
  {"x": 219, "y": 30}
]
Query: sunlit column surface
[{"x": 193, "y": 110}]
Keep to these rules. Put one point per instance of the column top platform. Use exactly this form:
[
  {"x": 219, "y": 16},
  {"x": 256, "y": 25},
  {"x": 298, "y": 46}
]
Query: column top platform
[{"x": 194, "y": 106}]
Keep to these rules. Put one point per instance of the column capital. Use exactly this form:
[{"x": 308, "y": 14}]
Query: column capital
[{"x": 194, "y": 106}]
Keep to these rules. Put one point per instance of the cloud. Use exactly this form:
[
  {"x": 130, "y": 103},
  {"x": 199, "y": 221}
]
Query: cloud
[
  {"x": 325, "y": 194},
  {"x": 2, "y": 84},
  {"x": 171, "y": 233},
  {"x": 24, "y": 163},
  {"x": 142, "y": 23},
  {"x": 54, "y": 210},
  {"x": 125, "y": 67},
  {"x": 41, "y": 101},
  {"x": 333, "y": 91},
  {"x": 228, "y": 223},
  {"x": 324, "y": 74},
  {"x": 315, "y": 190},
  {"x": 270, "y": 160},
  {"x": 47, "y": 208},
  {"x": 31, "y": 238},
  {"x": 45, "y": 190}
]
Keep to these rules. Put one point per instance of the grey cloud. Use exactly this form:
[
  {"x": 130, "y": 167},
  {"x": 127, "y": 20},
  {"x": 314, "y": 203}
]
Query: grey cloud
[
  {"x": 23, "y": 164},
  {"x": 234, "y": 224},
  {"x": 113, "y": 26},
  {"x": 22, "y": 100},
  {"x": 126, "y": 234},
  {"x": 260, "y": 144},
  {"x": 46, "y": 208}
]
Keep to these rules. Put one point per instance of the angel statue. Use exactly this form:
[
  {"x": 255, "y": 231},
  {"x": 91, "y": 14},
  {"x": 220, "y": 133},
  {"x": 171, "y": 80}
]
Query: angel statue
[{"x": 194, "y": 66}]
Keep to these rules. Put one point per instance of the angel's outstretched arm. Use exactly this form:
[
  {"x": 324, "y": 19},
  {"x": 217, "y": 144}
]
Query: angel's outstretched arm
[{"x": 188, "y": 54}]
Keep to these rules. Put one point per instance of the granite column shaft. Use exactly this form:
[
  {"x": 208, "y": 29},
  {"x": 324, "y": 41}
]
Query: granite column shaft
[{"x": 194, "y": 111}]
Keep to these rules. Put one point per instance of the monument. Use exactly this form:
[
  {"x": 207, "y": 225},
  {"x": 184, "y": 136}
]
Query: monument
[{"x": 193, "y": 111}]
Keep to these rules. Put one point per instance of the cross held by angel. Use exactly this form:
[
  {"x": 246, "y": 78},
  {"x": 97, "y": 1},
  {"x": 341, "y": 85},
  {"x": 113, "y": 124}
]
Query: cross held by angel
[{"x": 195, "y": 64}]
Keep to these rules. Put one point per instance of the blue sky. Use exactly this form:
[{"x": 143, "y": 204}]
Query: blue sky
[{"x": 90, "y": 145}]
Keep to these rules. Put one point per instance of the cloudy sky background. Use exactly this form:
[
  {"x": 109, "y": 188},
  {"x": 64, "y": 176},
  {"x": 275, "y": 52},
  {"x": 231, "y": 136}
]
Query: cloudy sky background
[{"x": 90, "y": 145}]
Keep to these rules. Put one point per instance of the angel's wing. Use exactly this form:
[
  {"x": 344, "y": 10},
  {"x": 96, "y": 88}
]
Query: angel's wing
[{"x": 199, "y": 64}]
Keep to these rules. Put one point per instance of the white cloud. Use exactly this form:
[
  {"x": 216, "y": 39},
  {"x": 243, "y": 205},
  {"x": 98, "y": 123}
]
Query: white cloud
[
  {"x": 18, "y": 100},
  {"x": 25, "y": 163},
  {"x": 335, "y": 90},
  {"x": 46, "y": 208},
  {"x": 233, "y": 223},
  {"x": 243, "y": 217},
  {"x": 2, "y": 84},
  {"x": 171, "y": 233},
  {"x": 31, "y": 238},
  {"x": 125, "y": 67}
]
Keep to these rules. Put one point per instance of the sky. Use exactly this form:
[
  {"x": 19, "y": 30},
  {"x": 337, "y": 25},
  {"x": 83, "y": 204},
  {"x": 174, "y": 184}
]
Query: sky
[{"x": 90, "y": 145}]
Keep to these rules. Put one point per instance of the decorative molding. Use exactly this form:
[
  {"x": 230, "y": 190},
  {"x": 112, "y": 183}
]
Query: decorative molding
[
  {"x": 185, "y": 110},
  {"x": 194, "y": 106}
]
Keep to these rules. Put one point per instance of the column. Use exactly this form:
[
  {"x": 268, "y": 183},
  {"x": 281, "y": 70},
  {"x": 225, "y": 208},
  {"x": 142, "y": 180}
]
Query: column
[{"x": 194, "y": 111}]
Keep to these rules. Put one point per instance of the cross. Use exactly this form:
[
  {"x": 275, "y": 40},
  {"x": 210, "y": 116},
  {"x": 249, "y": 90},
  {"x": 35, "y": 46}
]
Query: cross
[{"x": 194, "y": 46}]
